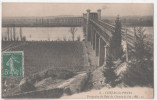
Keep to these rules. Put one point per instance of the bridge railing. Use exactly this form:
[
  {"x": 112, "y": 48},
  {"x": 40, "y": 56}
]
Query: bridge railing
[
  {"x": 111, "y": 28},
  {"x": 108, "y": 29},
  {"x": 130, "y": 34},
  {"x": 106, "y": 35}
]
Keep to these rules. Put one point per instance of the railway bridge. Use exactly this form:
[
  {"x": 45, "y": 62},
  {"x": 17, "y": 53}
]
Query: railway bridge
[{"x": 104, "y": 38}]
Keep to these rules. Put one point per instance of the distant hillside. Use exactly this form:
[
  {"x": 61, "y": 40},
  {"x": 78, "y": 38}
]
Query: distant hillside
[{"x": 131, "y": 20}]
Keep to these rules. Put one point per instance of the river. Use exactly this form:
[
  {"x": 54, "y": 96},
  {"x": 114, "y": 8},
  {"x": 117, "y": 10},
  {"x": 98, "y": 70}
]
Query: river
[
  {"x": 55, "y": 33},
  {"x": 46, "y": 33}
]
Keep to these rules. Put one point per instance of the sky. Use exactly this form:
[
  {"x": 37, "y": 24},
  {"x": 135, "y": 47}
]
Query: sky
[{"x": 56, "y": 9}]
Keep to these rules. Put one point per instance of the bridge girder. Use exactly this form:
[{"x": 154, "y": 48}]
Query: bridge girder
[{"x": 42, "y": 22}]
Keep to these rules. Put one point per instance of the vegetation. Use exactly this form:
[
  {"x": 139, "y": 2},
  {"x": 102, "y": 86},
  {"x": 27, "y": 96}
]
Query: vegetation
[
  {"x": 42, "y": 55},
  {"x": 64, "y": 38},
  {"x": 78, "y": 38},
  {"x": 140, "y": 70},
  {"x": 115, "y": 45},
  {"x": 131, "y": 20},
  {"x": 24, "y": 38},
  {"x": 110, "y": 74},
  {"x": 73, "y": 31},
  {"x": 115, "y": 54}
]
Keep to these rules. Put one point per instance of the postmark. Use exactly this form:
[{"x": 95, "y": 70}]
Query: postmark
[{"x": 13, "y": 64}]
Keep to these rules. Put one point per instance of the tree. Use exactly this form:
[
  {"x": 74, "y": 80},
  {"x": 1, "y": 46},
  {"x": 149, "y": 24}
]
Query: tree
[
  {"x": 17, "y": 39},
  {"x": 115, "y": 45},
  {"x": 109, "y": 73},
  {"x": 5, "y": 38},
  {"x": 58, "y": 39},
  {"x": 140, "y": 69},
  {"x": 24, "y": 38},
  {"x": 84, "y": 31},
  {"x": 8, "y": 33},
  {"x": 64, "y": 38},
  {"x": 78, "y": 38},
  {"x": 21, "y": 34},
  {"x": 48, "y": 37},
  {"x": 2, "y": 38},
  {"x": 73, "y": 31},
  {"x": 14, "y": 36},
  {"x": 139, "y": 43},
  {"x": 11, "y": 36},
  {"x": 143, "y": 48}
]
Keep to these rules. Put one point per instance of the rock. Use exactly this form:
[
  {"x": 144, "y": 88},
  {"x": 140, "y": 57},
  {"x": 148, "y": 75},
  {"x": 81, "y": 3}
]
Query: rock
[
  {"x": 51, "y": 73},
  {"x": 75, "y": 84},
  {"x": 47, "y": 83},
  {"x": 98, "y": 78},
  {"x": 64, "y": 74},
  {"x": 41, "y": 79},
  {"x": 43, "y": 74},
  {"x": 67, "y": 91},
  {"x": 60, "y": 74},
  {"x": 35, "y": 78},
  {"x": 26, "y": 86}
]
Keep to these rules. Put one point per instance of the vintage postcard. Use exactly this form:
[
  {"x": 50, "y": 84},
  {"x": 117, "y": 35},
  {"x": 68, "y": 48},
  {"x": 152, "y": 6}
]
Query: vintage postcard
[{"x": 77, "y": 50}]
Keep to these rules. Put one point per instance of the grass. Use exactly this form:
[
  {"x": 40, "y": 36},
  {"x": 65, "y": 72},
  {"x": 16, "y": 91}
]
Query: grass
[{"x": 39, "y": 56}]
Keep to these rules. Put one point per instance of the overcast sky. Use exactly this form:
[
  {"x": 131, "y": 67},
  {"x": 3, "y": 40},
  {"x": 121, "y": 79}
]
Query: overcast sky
[{"x": 51, "y": 9}]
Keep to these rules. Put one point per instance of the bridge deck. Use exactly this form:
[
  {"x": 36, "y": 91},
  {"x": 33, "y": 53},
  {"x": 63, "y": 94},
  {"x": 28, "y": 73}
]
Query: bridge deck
[{"x": 42, "y": 22}]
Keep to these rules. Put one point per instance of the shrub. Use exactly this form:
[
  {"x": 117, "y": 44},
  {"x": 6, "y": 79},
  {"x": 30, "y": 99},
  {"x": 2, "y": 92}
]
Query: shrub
[
  {"x": 109, "y": 73},
  {"x": 110, "y": 76},
  {"x": 139, "y": 74}
]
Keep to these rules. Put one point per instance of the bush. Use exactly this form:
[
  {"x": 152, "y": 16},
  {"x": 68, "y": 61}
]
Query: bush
[
  {"x": 139, "y": 74},
  {"x": 110, "y": 76},
  {"x": 109, "y": 73}
]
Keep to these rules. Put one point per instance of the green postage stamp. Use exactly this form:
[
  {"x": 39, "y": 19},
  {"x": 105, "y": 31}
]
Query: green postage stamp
[{"x": 12, "y": 63}]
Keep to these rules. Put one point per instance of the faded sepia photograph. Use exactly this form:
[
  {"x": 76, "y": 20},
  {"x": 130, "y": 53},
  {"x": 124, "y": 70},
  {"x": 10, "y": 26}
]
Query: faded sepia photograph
[{"x": 77, "y": 50}]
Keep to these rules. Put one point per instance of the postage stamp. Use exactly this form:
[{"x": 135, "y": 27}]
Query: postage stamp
[{"x": 13, "y": 64}]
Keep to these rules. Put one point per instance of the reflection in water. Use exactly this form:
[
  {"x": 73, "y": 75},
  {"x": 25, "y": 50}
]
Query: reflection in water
[{"x": 46, "y": 33}]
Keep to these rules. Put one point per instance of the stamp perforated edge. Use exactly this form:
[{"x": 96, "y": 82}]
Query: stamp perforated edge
[{"x": 23, "y": 74}]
